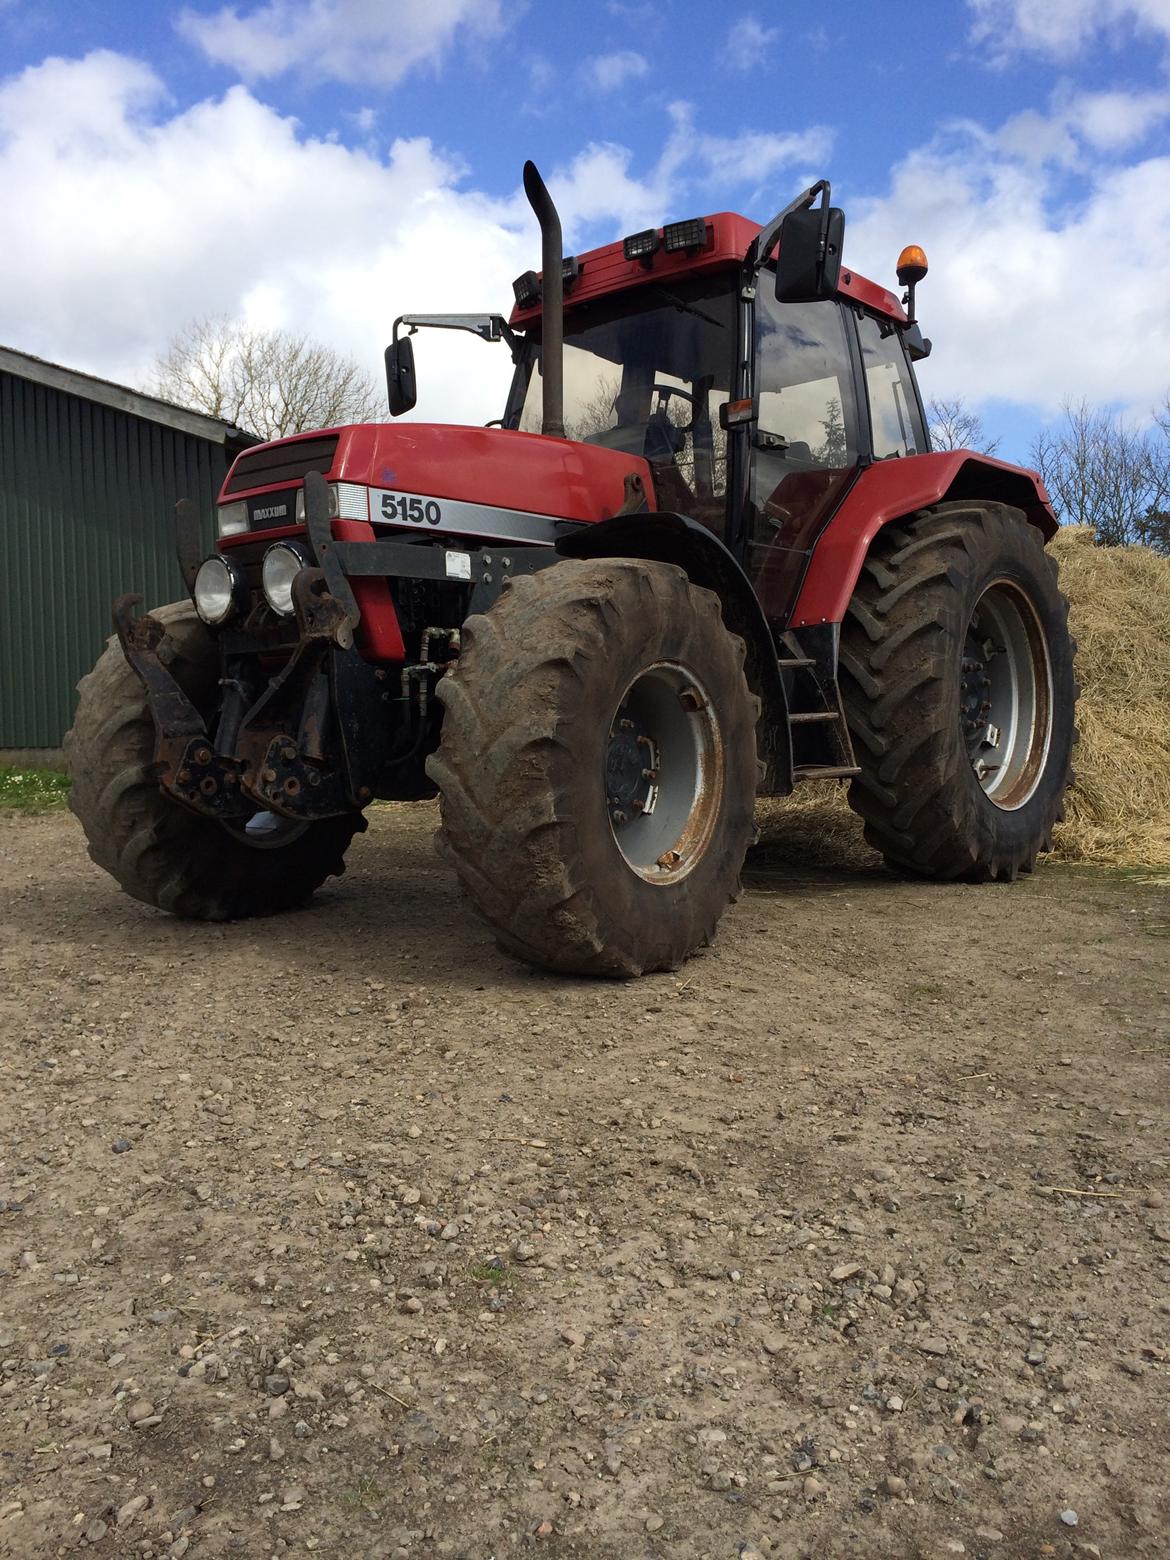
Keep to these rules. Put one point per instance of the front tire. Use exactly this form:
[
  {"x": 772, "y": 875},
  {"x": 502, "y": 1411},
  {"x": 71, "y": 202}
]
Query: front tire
[
  {"x": 956, "y": 671},
  {"x": 158, "y": 850},
  {"x": 597, "y": 769}
]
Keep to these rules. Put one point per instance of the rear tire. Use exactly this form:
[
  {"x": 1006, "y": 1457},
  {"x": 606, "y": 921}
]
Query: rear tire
[
  {"x": 158, "y": 850},
  {"x": 548, "y": 817},
  {"x": 956, "y": 671}
]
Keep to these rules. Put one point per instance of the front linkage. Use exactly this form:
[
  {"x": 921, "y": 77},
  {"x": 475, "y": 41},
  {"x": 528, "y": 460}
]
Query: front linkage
[{"x": 327, "y": 732}]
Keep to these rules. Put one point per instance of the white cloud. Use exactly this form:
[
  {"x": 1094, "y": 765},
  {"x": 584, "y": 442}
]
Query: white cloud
[
  {"x": 1063, "y": 28},
  {"x": 748, "y": 44},
  {"x": 365, "y": 42},
  {"x": 607, "y": 72},
  {"x": 693, "y": 170},
  {"x": 1029, "y": 299},
  {"x": 131, "y": 225},
  {"x": 136, "y": 216},
  {"x": 1077, "y": 123}
]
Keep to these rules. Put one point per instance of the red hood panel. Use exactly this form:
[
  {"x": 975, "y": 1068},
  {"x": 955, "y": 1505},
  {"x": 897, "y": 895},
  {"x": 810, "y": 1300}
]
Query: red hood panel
[{"x": 524, "y": 471}]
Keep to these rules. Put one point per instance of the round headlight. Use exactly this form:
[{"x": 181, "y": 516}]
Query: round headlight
[
  {"x": 282, "y": 563},
  {"x": 220, "y": 590}
]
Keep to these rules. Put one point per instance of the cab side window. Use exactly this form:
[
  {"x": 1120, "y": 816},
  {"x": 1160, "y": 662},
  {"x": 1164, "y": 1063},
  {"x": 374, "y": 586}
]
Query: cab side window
[{"x": 893, "y": 406}]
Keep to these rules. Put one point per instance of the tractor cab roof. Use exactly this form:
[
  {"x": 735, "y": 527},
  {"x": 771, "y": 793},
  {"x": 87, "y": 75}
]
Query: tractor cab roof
[{"x": 676, "y": 251}]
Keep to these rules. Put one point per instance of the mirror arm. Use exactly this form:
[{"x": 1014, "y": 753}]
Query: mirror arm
[
  {"x": 765, "y": 241},
  {"x": 488, "y": 327}
]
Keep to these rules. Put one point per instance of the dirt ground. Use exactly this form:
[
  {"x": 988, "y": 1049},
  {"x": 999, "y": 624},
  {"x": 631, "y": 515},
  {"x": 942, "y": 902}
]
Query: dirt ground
[{"x": 345, "y": 1234}]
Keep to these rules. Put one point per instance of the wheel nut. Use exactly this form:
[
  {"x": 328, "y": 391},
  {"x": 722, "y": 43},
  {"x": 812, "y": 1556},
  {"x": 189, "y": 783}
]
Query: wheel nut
[
  {"x": 690, "y": 700},
  {"x": 669, "y": 858},
  {"x": 626, "y": 725}
]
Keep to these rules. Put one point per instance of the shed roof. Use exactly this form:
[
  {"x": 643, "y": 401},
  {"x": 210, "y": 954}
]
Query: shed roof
[{"x": 90, "y": 388}]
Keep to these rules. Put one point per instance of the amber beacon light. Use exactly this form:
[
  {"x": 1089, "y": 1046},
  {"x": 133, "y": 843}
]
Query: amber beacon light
[{"x": 912, "y": 268}]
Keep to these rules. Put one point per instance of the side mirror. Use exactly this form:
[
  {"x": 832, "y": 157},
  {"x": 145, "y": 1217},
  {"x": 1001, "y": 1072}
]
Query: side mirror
[
  {"x": 809, "y": 264},
  {"x": 400, "y": 385}
]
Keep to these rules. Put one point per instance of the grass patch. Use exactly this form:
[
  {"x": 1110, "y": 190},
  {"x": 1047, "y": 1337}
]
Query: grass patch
[
  {"x": 32, "y": 790},
  {"x": 492, "y": 1272}
]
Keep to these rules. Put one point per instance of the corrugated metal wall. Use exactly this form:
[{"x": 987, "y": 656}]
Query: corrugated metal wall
[{"x": 86, "y": 495}]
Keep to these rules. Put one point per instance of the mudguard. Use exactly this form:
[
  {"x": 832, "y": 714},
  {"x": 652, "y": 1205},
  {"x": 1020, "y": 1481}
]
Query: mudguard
[
  {"x": 672, "y": 538},
  {"x": 889, "y": 489}
]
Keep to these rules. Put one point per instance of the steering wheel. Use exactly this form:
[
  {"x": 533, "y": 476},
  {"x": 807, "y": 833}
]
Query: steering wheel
[{"x": 664, "y": 393}]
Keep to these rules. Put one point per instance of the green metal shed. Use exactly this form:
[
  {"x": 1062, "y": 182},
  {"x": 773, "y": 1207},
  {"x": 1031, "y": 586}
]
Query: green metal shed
[{"x": 90, "y": 473}]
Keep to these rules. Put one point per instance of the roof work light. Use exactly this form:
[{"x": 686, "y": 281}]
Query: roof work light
[
  {"x": 691, "y": 234},
  {"x": 641, "y": 246}
]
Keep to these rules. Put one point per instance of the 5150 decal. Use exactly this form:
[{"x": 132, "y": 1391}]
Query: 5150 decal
[{"x": 417, "y": 511}]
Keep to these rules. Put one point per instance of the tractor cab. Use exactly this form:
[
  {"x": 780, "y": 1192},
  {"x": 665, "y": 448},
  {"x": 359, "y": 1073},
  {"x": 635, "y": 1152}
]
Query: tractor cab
[{"x": 755, "y": 384}]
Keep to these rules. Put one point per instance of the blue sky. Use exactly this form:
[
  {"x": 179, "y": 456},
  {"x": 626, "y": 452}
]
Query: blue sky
[{"x": 327, "y": 164}]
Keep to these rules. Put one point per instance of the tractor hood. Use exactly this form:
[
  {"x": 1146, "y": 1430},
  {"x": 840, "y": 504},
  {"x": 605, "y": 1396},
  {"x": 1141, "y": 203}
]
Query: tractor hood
[{"x": 498, "y": 467}]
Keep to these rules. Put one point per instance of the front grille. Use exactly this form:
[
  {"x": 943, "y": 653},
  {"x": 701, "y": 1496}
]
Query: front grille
[{"x": 282, "y": 463}]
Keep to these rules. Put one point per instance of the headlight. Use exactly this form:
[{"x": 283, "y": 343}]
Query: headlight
[
  {"x": 282, "y": 563},
  {"x": 220, "y": 590},
  {"x": 347, "y": 501},
  {"x": 232, "y": 518}
]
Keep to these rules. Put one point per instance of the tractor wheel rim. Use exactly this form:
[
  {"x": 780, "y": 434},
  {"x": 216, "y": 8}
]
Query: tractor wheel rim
[
  {"x": 1005, "y": 695},
  {"x": 664, "y": 772}
]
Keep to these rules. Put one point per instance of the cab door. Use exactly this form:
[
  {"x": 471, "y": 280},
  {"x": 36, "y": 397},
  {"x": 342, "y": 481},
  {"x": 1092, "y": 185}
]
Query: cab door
[{"x": 806, "y": 442}]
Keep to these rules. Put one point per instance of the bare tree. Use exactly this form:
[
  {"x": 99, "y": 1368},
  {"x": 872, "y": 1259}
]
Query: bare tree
[
  {"x": 1103, "y": 472},
  {"x": 268, "y": 382},
  {"x": 954, "y": 426}
]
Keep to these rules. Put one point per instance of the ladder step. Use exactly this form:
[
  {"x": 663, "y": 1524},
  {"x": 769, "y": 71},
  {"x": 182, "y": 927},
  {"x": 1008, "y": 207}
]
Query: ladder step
[
  {"x": 795, "y": 663},
  {"x": 806, "y": 717},
  {"x": 823, "y": 772}
]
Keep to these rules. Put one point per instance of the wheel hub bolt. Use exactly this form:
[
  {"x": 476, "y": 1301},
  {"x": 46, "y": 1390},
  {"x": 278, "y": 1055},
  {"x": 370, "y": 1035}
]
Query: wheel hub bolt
[{"x": 690, "y": 700}]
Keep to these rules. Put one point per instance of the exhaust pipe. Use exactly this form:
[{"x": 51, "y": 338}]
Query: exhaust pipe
[{"x": 552, "y": 304}]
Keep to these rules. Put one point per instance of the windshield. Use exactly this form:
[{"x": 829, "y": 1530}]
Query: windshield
[{"x": 646, "y": 372}]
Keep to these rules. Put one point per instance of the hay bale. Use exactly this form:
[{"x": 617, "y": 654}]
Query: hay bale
[{"x": 1119, "y": 804}]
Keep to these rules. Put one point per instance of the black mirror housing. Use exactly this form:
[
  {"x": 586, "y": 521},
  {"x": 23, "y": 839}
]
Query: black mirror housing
[
  {"x": 400, "y": 383},
  {"x": 806, "y": 271}
]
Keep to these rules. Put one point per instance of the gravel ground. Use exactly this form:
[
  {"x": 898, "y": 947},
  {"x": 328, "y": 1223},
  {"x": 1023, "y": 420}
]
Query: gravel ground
[{"x": 344, "y": 1234}]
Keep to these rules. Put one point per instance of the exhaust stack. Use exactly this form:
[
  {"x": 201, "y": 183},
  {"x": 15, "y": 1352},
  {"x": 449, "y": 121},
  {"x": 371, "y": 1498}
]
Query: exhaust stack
[{"x": 552, "y": 304}]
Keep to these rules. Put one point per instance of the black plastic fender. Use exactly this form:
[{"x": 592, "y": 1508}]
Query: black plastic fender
[{"x": 671, "y": 538}]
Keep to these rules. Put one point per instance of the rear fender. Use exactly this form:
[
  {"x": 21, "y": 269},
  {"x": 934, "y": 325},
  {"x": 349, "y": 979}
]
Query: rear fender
[
  {"x": 670, "y": 538},
  {"x": 890, "y": 489}
]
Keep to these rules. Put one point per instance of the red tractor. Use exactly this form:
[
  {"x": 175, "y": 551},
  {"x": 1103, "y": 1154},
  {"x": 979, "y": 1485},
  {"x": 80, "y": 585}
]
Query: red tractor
[{"x": 705, "y": 554}]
